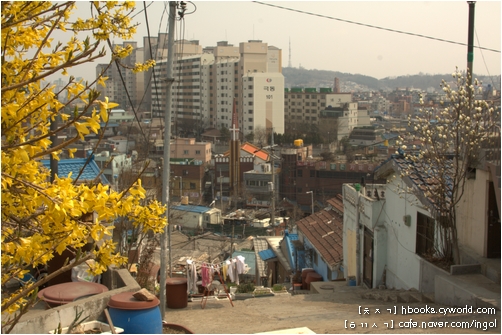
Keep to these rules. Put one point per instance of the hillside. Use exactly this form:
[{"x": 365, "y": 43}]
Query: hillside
[{"x": 295, "y": 77}]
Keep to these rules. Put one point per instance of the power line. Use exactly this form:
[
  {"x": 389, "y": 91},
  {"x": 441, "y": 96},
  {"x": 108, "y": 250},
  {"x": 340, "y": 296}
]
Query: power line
[{"x": 372, "y": 26}]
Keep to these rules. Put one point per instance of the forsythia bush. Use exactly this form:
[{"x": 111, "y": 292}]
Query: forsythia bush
[{"x": 41, "y": 218}]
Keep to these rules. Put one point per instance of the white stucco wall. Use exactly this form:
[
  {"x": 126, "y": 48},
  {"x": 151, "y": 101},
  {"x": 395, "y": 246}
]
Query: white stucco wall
[
  {"x": 471, "y": 213},
  {"x": 393, "y": 242},
  {"x": 403, "y": 264}
]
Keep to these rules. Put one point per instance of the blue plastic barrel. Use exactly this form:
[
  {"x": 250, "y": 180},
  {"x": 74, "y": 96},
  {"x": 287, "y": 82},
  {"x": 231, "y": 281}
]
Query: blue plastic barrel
[
  {"x": 352, "y": 282},
  {"x": 135, "y": 316}
]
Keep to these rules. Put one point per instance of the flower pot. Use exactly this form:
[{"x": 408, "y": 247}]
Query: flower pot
[
  {"x": 176, "y": 329},
  {"x": 95, "y": 326}
]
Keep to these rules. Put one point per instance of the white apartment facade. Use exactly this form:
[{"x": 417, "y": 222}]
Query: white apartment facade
[
  {"x": 263, "y": 102},
  {"x": 207, "y": 84}
]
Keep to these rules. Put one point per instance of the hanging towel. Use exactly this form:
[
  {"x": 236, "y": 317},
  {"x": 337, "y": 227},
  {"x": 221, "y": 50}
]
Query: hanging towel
[{"x": 204, "y": 272}]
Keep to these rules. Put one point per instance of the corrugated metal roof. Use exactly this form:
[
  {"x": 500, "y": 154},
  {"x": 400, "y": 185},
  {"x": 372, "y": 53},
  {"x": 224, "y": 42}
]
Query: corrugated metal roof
[
  {"x": 190, "y": 208},
  {"x": 267, "y": 254},
  {"x": 260, "y": 244},
  {"x": 74, "y": 165},
  {"x": 291, "y": 248}
]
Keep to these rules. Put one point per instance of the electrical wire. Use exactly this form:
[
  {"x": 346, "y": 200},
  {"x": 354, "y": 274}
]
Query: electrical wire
[
  {"x": 371, "y": 26},
  {"x": 484, "y": 62}
]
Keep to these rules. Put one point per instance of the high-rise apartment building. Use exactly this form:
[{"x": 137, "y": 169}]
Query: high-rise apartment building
[
  {"x": 123, "y": 86},
  {"x": 206, "y": 85}
]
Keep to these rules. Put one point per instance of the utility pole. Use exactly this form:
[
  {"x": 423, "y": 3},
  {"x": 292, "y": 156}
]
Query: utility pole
[
  {"x": 272, "y": 188},
  {"x": 166, "y": 168},
  {"x": 221, "y": 193},
  {"x": 470, "y": 41}
]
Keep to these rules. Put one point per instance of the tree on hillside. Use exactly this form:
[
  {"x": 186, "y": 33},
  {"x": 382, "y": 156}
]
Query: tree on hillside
[
  {"x": 452, "y": 138},
  {"x": 42, "y": 218}
]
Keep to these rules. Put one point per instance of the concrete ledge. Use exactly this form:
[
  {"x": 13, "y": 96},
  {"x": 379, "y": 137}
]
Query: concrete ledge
[
  {"x": 463, "y": 269},
  {"x": 472, "y": 290},
  {"x": 43, "y": 321}
]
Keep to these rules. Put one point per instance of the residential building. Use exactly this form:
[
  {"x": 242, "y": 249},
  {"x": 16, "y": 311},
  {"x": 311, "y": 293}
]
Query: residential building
[
  {"x": 321, "y": 238},
  {"x": 206, "y": 84},
  {"x": 82, "y": 170},
  {"x": 263, "y": 102},
  {"x": 113, "y": 165},
  {"x": 194, "y": 218},
  {"x": 120, "y": 116},
  {"x": 290, "y": 155},
  {"x": 326, "y": 178},
  {"x": 304, "y": 106},
  {"x": 395, "y": 228},
  {"x": 123, "y": 86},
  {"x": 187, "y": 179},
  {"x": 257, "y": 185},
  {"x": 189, "y": 148},
  {"x": 341, "y": 120}
]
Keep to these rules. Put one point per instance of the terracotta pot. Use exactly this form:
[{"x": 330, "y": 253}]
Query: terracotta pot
[{"x": 177, "y": 327}]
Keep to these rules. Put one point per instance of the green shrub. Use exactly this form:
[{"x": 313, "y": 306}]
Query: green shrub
[
  {"x": 278, "y": 287},
  {"x": 245, "y": 288}
]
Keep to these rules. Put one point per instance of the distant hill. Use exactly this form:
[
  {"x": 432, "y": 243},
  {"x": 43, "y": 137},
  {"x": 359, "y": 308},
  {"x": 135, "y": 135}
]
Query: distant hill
[{"x": 295, "y": 77}]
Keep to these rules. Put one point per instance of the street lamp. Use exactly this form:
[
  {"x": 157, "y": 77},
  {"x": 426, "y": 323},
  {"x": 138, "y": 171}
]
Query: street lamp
[{"x": 312, "y": 197}]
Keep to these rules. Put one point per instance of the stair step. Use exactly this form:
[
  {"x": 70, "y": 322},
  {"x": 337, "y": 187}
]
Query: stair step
[{"x": 428, "y": 297}]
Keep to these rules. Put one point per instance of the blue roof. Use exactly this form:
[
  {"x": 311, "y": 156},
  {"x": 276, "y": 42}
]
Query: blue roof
[
  {"x": 267, "y": 254},
  {"x": 291, "y": 248},
  {"x": 75, "y": 165},
  {"x": 109, "y": 125},
  {"x": 191, "y": 208}
]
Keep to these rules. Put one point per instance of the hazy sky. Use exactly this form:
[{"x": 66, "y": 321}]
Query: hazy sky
[{"x": 332, "y": 43}]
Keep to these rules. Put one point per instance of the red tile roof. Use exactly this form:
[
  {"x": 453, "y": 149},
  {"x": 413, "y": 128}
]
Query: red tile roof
[
  {"x": 252, "y": 150},
  {"x": 324, "y": 230}
]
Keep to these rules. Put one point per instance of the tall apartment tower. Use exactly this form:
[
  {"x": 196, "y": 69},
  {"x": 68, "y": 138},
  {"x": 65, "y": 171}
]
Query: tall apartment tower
[
  {"x": 206, "y": 82},
  {"x": 153, "y": 48},
  {"x": 125, "y": 85}
]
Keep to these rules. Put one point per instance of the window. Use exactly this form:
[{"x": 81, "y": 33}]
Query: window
[
  {"x": 314, "y": 254},
  {"x": 192, "y": 186},
  {"x": 197, "y": 152},
  {"x": 312, "y": 173},
  {"x": 185, "y": 172},
  {"x": 300, "y": 173},
  {"x": 307, "y": 96},
  {"x": 250, "y": 95},
  {"x": 250, "y": 103},
  {"x": 250, "y": 119},
  {"x": 250, "y": 111},
  {"x": 425, "y": 234},
  {"x": 250, "y": 87},
  {"x": 185, "y": 152}
]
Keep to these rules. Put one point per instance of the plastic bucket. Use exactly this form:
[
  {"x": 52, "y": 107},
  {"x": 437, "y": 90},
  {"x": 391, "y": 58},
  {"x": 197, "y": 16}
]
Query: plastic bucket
[
  {"x": 135, "y": 316},
  {"x": 352, "y": 282}
]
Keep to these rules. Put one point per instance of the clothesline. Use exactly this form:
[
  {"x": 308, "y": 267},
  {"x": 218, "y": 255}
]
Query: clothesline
[
  {"x": 232, "y": 267},
  {"x": 190, "y": 261}
]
